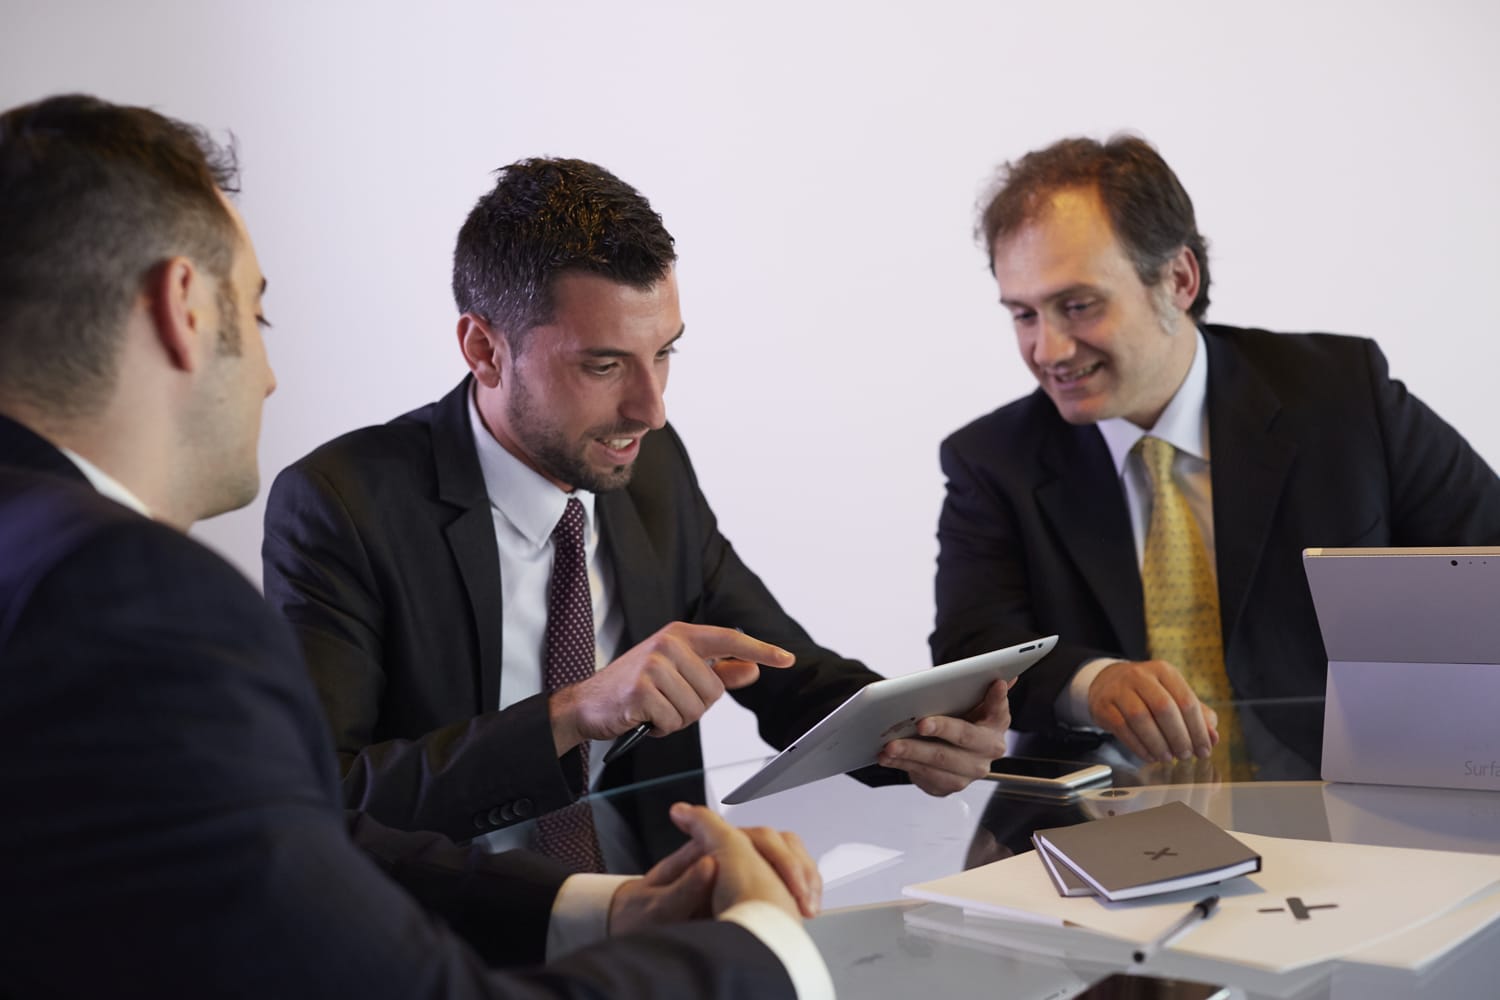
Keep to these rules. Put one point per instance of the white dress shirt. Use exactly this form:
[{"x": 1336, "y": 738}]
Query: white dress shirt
[
  {"x": 1183, "y": 425},
  {"x": 525, "y": 507},
  {"x": 106, "y": 484}
]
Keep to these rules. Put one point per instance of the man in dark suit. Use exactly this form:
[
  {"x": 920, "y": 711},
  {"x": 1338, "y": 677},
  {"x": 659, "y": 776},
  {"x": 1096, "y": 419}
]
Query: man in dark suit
[
  {"x": 413, "y": 559},
  {"x": 1053, "y": 521},
  {"x": 173, "y": 825}
]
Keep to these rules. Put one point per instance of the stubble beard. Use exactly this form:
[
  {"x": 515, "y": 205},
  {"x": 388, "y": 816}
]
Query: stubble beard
[
  {"x": 228, "y": 464},
  {"x": 554, "y": 455}
]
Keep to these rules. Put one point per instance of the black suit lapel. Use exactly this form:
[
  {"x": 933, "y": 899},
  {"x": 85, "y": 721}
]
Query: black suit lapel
[
  {"x": 641, "y": 589},
  {"x": 642, "y": 594},
  {"x": 471, "y": 534},
  {"x": 1081, "y": 497},
  {"x": 1250, "y": 456}
]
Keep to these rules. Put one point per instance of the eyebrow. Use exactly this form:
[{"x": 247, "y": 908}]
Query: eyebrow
[
  {"x": 1061, "y": 293},
  {"x": 615, "y": 352}
]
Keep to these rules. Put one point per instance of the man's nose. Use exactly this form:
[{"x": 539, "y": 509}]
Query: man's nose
[
  {"x": 1052, "y": 346},
  {"x": 646, "y": 403}
]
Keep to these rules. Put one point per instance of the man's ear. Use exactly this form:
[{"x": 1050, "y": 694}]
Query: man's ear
[
  {"x": 486, "y": 350},
  {"x": 1183, "y": 278},
  {"x": 178, "y": 294}
]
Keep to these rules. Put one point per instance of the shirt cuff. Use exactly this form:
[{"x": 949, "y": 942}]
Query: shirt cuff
[
  {"x": 789, "y": 942},
  {"x": 1072, "y": 706},
  {"x": 580, "y": 913}
]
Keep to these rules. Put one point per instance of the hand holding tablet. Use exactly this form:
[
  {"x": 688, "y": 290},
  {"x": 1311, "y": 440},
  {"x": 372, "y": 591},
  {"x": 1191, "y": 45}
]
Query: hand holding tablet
[
  {"x": 854, "y": 734},
  {"x": 950, "y": 752}
]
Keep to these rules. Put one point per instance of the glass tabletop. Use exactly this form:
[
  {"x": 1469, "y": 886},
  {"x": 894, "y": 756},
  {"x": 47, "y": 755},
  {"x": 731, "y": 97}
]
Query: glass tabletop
[{"x": 870, "y": 842}]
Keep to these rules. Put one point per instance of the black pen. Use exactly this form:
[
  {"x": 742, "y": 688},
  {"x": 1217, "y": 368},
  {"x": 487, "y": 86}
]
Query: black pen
[
  {"x": 627, "y": 742},
  {"x": 1201, "y": 911}
]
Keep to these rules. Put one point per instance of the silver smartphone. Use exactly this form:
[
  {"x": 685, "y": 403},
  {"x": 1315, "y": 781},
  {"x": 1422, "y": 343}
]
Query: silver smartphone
[
  {"x": 1039, "y": 774},
  {"x": 1123, "y": 986}
]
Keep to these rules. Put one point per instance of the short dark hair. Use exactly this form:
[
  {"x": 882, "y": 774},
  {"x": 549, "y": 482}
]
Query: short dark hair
[
  {"x": 93, "y": 196},
  {"x": 1148, "y": 207},
  {"x": 546, "y": 217}
]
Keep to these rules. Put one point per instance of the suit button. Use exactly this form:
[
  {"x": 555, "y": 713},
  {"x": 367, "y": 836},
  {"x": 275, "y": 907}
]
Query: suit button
[
  {"x": 508, "y": 811},
  {"x": 525, "y": 809},
  {"x": 482, "y": 821},
  {"x": 496, "y": 818}
]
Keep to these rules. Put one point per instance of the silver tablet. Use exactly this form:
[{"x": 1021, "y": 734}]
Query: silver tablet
[
  {"x": 1413, "y": 645},
  {"x": 851, "y": 736},
  {"x": 1407, "y": 605}
]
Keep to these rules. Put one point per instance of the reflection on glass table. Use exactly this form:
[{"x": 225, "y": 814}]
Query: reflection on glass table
[
  {"x": 1278, "y": 739},
  {"x": 870, "y": 842}
]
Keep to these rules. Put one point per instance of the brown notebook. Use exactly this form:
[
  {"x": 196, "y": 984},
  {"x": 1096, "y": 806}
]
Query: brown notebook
[{"x": 1161, "y": 849}]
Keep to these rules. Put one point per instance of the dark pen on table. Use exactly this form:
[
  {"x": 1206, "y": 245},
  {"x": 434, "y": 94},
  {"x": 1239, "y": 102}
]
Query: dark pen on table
[
  {"x": 627, "y": 743},
  {"x": 1201, "y": 910}
]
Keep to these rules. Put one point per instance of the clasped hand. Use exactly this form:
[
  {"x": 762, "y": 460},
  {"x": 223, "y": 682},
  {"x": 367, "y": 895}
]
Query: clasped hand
[{"x": 720, "y": 866}]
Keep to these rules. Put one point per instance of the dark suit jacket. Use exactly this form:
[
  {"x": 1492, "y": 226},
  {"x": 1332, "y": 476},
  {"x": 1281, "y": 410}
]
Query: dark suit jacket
[
  {"x": 380, "y": 550},
  {"x": 172, "y": 825},
  {"x": 1311, "y": 444}
]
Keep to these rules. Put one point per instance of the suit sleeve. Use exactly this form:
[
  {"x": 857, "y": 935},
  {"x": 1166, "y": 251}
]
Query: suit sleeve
[
  {"x": 1442, "y": 492},
  {"x": 488, "y": 771},
  {"x": 171, "y": 808},
  {"x": 983, "y": 591}
]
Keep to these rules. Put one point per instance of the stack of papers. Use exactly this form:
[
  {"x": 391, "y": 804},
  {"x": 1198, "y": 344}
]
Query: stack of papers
[
  {"x": 1313, "y": 902},
  {"x": 1162, "y": 849},
  {"x": 1094, "y": 955}
]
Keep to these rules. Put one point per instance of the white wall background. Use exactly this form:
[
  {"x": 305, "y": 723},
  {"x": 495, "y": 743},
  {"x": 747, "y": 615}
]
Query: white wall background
[{"x": 818, "y": 164}]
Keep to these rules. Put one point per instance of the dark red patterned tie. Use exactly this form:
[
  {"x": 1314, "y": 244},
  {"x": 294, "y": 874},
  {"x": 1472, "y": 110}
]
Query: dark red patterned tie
[{"x": 568, "y": 834}]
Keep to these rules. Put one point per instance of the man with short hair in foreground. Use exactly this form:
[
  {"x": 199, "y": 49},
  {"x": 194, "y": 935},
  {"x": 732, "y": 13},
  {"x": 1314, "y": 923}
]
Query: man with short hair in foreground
[{"x": 173, "y": 825}]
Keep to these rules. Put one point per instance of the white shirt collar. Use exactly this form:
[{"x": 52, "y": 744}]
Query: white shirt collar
[
  {"x": 1183, "y": 424},
  {"x": 528, "y": 501},
  {"x": 106, "y": 484}
]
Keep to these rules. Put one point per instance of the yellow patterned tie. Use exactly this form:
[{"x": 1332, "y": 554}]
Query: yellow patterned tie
[{"x": 1182, "y": 595}]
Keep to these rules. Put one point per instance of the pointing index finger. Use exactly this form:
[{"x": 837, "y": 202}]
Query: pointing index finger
[{"x": 714, "y": 643}]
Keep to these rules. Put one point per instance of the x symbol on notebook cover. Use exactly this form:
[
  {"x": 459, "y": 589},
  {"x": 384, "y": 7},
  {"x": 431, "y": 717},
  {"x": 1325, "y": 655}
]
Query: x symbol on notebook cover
[{"x": 1165, "y": 852}]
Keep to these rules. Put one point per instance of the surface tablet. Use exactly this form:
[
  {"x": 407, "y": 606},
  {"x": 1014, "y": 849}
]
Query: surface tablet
[
  {"x": 851, "y": 735},
  {"x": 1406, "y": 605},
  {"x": 1413, "y": 647}
]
